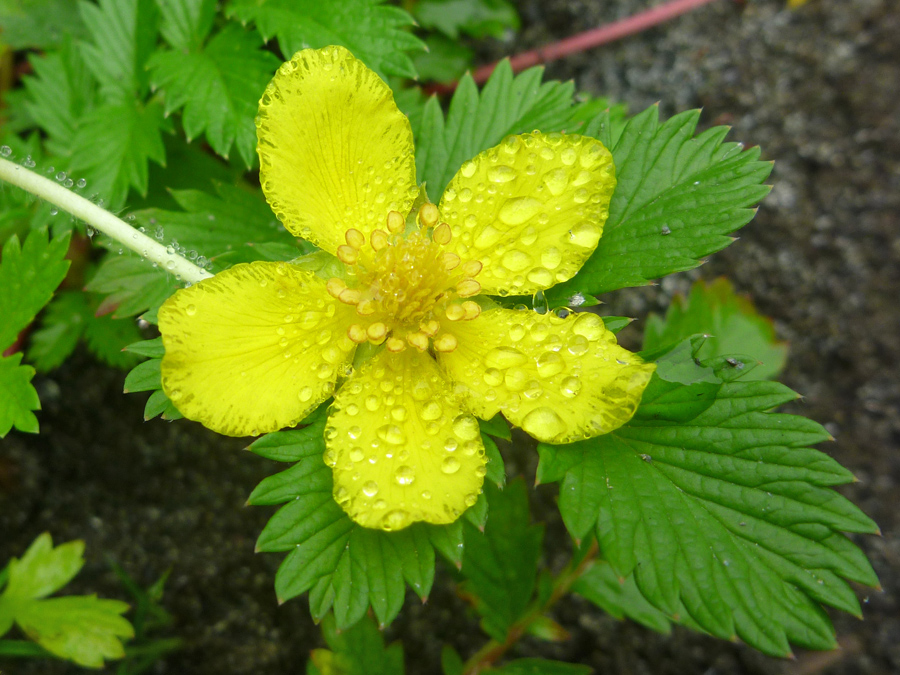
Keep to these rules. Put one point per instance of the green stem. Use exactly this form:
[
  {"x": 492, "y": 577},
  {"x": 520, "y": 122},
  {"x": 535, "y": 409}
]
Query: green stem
[
  {"x": 491, "y": 652},
  {"x": 102, "y": 220}
]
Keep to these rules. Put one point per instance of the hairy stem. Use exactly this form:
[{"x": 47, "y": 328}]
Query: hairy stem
[
  {"x": 491, "y": 652},
  {"x": 102, "y": 221}
]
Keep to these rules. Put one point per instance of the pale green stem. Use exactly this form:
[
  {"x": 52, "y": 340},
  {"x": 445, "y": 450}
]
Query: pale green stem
[{"x": 102, "y": 220}]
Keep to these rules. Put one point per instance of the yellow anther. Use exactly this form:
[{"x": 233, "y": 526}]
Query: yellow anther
[
  {"x": 357, "y": 333},
  {"x": 450, "y": 260},
  {"x": 471, "y": 268},
  {"x": 418, "y": 340},
  {"x": 430, "y": 327},
  {"x": 455, "y": 312},
  {"x": 447, "y": 342},
  {"x": 376, "y": 332},
  {"x": 442, "y": 234},
  {"x": 355, "y": 238},
  {"x": 335, "y": 287},
  {"x": 379, "y": 239},
  {"x": 396, "y": 223},
  {"x": 395, "y": 344},
  {"x": 347, "y": 254},
  {"x": 350, "y": 296},
  {"x": 366, "y": 307},
  {"x": 472, "y": 309},
  {"x": 467, "y": 288},
  {"x": 429, "y": 214}
]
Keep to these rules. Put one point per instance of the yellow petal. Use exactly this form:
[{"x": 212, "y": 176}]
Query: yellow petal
[
  {"x": 401, "y": 447},
  {"x": 561, "y": 380},
  {"x": 531, "y": 209},
  {"x": 253, "y": 349},
  {"x": 335, "y": 152}
]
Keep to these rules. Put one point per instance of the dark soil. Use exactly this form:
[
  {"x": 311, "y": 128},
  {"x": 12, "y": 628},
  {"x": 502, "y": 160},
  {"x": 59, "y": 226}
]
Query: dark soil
[{"x": 817, "y": 89}]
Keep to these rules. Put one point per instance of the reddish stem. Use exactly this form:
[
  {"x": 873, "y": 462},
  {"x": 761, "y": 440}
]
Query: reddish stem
[{"x": 587, "y": 40}]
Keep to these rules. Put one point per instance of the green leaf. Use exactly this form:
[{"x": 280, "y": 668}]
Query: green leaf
[
  {"x": 186, "y": 23},
  {"x": 445, "y": 61},
  {"x": 59, "y": 93},
  {"x": 358, "y": 650},
  {"x": 541, "y": 667},
  {"x": 678, "y": 198},
  {"x": 17, "y": 397},
  {"x": 133, "y": 285},
  {"x": 720, "y": 511},
  {"x": 373, "y": 31},
  {"x": 106, "y": 338},
  {"x": 62, "y": 325},
  {"x": 159, "y": 404},
  {"x": 144, "y": 376},
  {"x": 227, "y": 223},
  {"x": 43, "y": 569},
  {"x": 477, "y": 18},
  {"x": 496, "y": 470},
  {"x": 38, "y": 24},
  {"x": 451, "y": 663},
  {"x": 29, "y": 274},
  {"x": 500, "y": 566},
  {"x": 112, "y": 146},
  {"x": 152, "y": 349},
  {"x": 123, "y": 35},
  {"x": 731, "y": 321},
  {"x": 619, "y": 597},
  {"x": 477, "y": 121},
  {"x": 341, "y": 564},
  {"x": 219, "y": 86}
]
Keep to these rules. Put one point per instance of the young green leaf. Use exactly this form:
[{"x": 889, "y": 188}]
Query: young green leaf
[
  {"x": 341, "y": 564},
  {"x": 721, "y": 511},
  {"x": 123, "y": 35},
  {"x": 17, "y": 397},
  {"x": 186, "y": 23},
  {"x": 83, "y": 629},
  {"x": 477, "y": 18},
  {"x": 218, "y": 85},
  {"x": 731, "y": 321},
  {"x": 112, "y": 146},
  {"x": 500, "y": 565},
  {"x": 358, "y": 650},
  {"x": 619, "y": 597},
  {"x": 678, "y": 198},
  {"x": 38, "y": 24},
  {"x": 215, "y": 225},
  {"x": 133, "y": 285},
  {"x": 373, "y": 31},
  {"x": 477, "y": 121},
  {"x": 59, "y": 93},
  {"x": 29, "y": 274}
]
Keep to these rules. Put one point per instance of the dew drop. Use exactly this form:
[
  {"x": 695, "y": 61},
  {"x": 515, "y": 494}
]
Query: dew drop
[
  {"x": 492, "y": 377},
  {"x": 394, "y": 520},
  {"x": 504, "y": 357},
  {"x": 543, "y": 423},
  {"x": 426, "y": 494},
  {"x": 450, "y": 465},
  {"x": 391, "y": 433},
  {"x": 516, "y": 332},
  {"x": 488, "y": 236},
  {"x": 5, "y": 151},
  {"x": 357, "y": 454},
  {"x": 550, "y": 364},
  {"x": 585, "y": 234},
  {"x": 305, "y": 394},
  {"x": 405, "y": 475},
  {"x": 81, "y": 183},
  {"x": 568, "y": 156},
  {"x": 399, "y": 413},
  {"x": 570, "y": 387},
  {"x": 501, "y": 174},
  {"x": 354, "y": 432},
  {"x": 519, "y": 210},
  {"x": 541, "y": 277},
  {"x": 190, "y": 310},
  {"x": 578, "y": 345},
  {"x": 372, "y": 403},
  {"x": 431, "y": 411},
  {"x": 556, "y": 181},
  {"x": 468, "y": 169},
  {"x": 466, "y": 427},
  {"x": 515, "y": 260},
  {"x": 589, "y": 326},
  {"x": 370, "y": 489}
]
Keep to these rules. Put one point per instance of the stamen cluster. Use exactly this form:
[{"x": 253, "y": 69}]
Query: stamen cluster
[{"x": 407, "y": 287}]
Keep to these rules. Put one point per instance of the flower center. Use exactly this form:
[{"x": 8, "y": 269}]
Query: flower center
[{"x": 407, "y": 288}]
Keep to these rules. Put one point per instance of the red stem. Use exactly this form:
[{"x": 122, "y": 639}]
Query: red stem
[{"x": 587, "y": 40}]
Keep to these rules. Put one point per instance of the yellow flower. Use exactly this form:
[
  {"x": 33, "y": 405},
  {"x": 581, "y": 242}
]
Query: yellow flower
[{"x": 257, "y": 347}]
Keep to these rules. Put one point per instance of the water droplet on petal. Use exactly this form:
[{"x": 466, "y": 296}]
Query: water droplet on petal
[
  {"x": 370, "y": 489},
  {"x": 570, "y": 387},
  {"x": 504, "y": 357},
  {"x": 450, "y": 465},
  {"x": 578, "y": 345},
  {"x": 589, "y": 325},
  {"x": 519, "y": 210},
  {"x": 391, "y": 433},
  {"x": 466, "y": 427},
  {"x": 516, "y": 261},
  {"x": 305, "y": 394},
  {"x": 543, "y": 423},
  {"x": 550, "y": 364},
  {"x": 357, "y": 454},
  {"x": 501, "y": 174},
  {"x": 405, "y": 475},
  {"x": 556, "y": 181}
]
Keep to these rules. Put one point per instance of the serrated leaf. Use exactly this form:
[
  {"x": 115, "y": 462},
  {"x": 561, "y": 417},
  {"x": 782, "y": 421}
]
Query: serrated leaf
[
  {"x": 445, "y": 60},
  {"x": 619, "y": 597},
  {"x": 186, "y": 23},
  {"x": 678, "y": 197},
  {"x": 106, "y": 337},
  {"x": 62, "y": 325},
  {"x": 123, "y": 35},
  {"x": 340, "y": 563},
  {"x": 38, "y": 24},
  {"x": 373, "y": 31},
  {"x": 112, "y": 146},
  {"x": 723, "y": 513},
  {"x": 17, "y": 397},
  {"x": 477, "y": 121},
  {"x": 226, "y": 223},
  {"x": 541, "y": 667},
  {"x": 43, "y": 569},
  {"x": 59, "y": 92},
  {"x": 731, "y": 321},
  {"x": 500, "y": 565},
  {"x": 219, "y": 86},
  {"x": 477, "y": 18},
  {"x": 133, "y": 285},
  {"x": 29, "y": 274}
]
